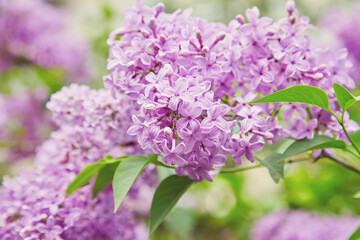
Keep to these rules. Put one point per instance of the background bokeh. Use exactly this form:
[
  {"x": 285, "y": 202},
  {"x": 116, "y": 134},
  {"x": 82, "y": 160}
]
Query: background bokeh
[{"x": 225, "y": 209}]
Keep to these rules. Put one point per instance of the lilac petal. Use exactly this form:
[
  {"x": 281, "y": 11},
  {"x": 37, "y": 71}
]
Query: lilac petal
[
  {"x": 151, "y": 77},
  {"x": 255, "y": 83},
  {"x": 256, "y": 146},
  {"x": 173, "y": 103},
  {"x": 179, "y": 148},
  {"x": 134, "y": 130},
  {"x": 252, "y": 14},
  {"x": 145, "y": 59},
  {"x": 302, "y": 65},
  {"x": 136, "y": 42},
  {"x": 195, "y": 111},
  {"x": 288, "y": 114},
  {"x": 313, "y": 123},
  {"x": 181, "y": 85},
  {"x": 56, "y": 229},
  {"x": 42, "y": 228},
  {"x": 246, "y": 124},
  {"x": 268, "y": 77},
  {"x": 222, "y": 124},
  {"x": 249, "y": 155}
]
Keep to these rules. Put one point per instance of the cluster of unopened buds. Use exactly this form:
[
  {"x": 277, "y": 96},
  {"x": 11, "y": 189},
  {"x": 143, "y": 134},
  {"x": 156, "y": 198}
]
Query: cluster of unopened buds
[{"x": 192, "y": 80}]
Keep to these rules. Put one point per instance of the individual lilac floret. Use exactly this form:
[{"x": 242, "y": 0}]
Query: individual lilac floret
[
  {"x": 191, "y": 81},
  {"x": 37, "y": 32},
  {"x": 299, "y": 225},
  {"x": 83, "y": 137}
]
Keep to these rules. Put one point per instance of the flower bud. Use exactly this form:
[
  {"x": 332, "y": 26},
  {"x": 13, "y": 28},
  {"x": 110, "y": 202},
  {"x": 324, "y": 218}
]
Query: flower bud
[
  {"x": 219, "y": 37},
  {"x": 292, "y": 20},
  {"x": 167, "y": 131},
  {"x": 318, "y": 76},
  {"x": 235, "y": 138},
  {"x": 159, "y": 8},
  {"x": 152, "y": 24},
  {"x": 162, "y": 38},
  {"x": 290, "y": 6},
  {"x": 145, "y": 33},
  {"x": 240, "y": 18}
]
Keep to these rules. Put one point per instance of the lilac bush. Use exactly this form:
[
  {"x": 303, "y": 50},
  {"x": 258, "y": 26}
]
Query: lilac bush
[
  {"x": 34, "y": 205},
  {"x": 191, "y": 81},
  {"x": 182, "y": 90},
  {"x": 37, "y": 32},
  {"x": 300, "y": 225}
]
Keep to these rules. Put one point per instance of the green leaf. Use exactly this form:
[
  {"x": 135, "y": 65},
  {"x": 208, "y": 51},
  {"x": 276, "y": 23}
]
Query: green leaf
[
  {"x": 355, "y": 137},
  {"x": 104, "y": 178},
  {"x": 300, "y": 94},
  {"x": 275, "y": 164},
  {"x": 165, "y": 198},
  {"x": 344, "y": 97},
  {"x": 52, "y": 78},
  {"x": 355, "y": 235},
  {"x": 126, "y": 174},
  {"x": 164, "y": 172},
  {"x": 181, "y": 221},
  {"x": 84, "y": 177},
  {"x": 357, "y": 195},
  {"x": 330, "y": 144},
  {"x": 318, "y": 142},
  {"x": 89, "y": 172}
]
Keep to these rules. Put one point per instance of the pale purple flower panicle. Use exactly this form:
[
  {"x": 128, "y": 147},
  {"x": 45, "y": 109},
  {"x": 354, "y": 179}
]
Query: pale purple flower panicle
[
  {"x": 34, "y": 205},
  {"x": 347, "y": 33},
  {"x": 299, "y": 225},
  {"x": 37, "y": 32},
  {"x": 191, "y": 81},
  {"x": 24, "y": 124}
]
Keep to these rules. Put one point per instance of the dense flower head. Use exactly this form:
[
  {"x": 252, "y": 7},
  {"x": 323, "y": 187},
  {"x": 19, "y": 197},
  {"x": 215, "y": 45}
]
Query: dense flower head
[
  {"x": 300, "y": 225},
  {"x": 34, "y": 205},
  {"x": 24, "y": 124},
  {"x": 37, "y": 32},
  {"x": 80, "y": 106},
  {"x": 192, "y": 79}
]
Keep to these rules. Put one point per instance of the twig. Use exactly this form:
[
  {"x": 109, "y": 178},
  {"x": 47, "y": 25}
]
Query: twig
[{"x": 345, "y": 164}]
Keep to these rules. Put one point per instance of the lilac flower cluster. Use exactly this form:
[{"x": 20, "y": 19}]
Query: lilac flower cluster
[
  {"x": 191, "y": 80},
  {"x": 347, "y": 33},
  {"x": 35, "y": 31},
  {"x": 23, "y": 124},
  {"x": 34, "y": 205},
  {"x": 299, "y": 225}
]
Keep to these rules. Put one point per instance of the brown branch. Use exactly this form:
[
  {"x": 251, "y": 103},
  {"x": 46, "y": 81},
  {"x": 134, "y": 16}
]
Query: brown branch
[{"x": 338, "y": 160}]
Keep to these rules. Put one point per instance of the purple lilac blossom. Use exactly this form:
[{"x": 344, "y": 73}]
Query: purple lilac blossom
[
  {"x": 24, "y": 124},
  {"x": 37, "y": 32},
  {"x": 300, "y": 225},
  {"x": 191, "y": 81},
  {"x": 347, "y": 33},
  {"x": 34, "y": 205}
]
